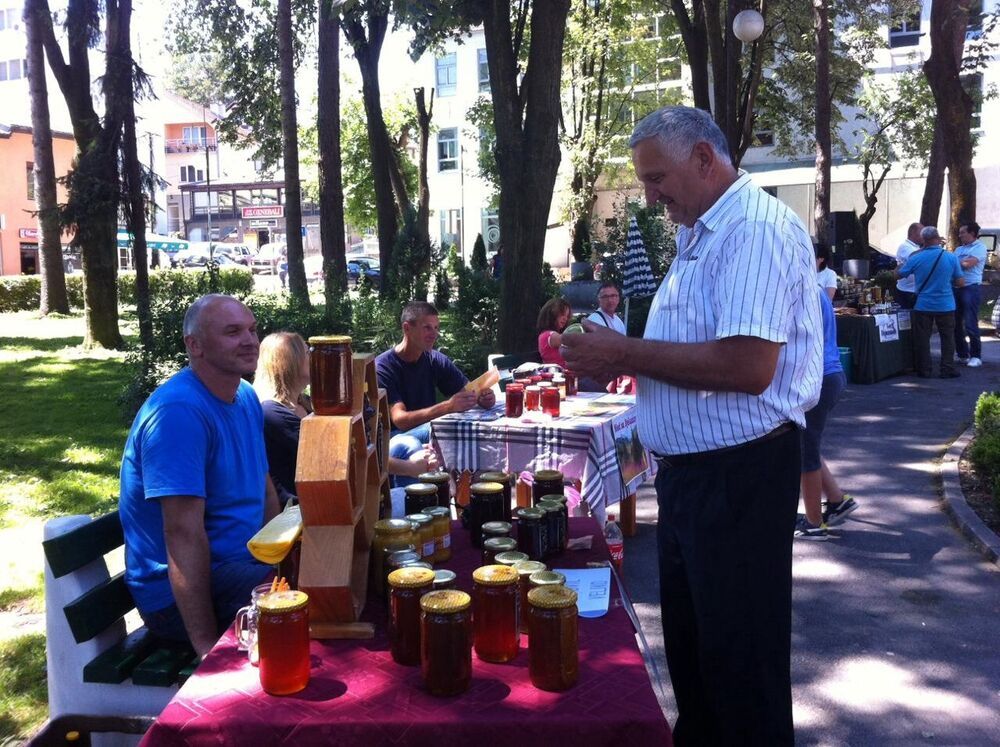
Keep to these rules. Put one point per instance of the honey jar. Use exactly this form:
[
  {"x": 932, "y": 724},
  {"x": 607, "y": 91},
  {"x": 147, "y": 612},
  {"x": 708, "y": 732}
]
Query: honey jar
[
  {"x": 331, "y": 373},
  {"x": 553, "y": 638},
  {"x": 495, "y": 613},
  {"x": 283, "y": 641},
  {"x": 446, "y": 642},
  {"x": 407, "y": 585}
]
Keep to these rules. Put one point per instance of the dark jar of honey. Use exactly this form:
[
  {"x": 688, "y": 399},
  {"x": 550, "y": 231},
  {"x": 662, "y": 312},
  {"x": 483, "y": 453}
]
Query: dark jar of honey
[
  {"x": 419, "y": 495},
  {"x": 532, "y": 533},
  {"x": 331, "y": 374},
  {"x": 507, "y": 480},
  {"x": 446, "y": 642},
  {"x": 510, "y": 558},
  {"x": 442, "y": 481},
  {"x": 391, "y": 535},
  {"x": 444, "y": 579},
  {"x": 495, "y": 546},
  {"x": 495, "y": 613},
  {"x": 493, "y": 529},
  {"x": 553, "y": 526},
  {"x": 485, "y": 504},
  {"x": 406, "y": 586},
  {"x": 283, "y": 641},
  {"x": 553, "y": 642},
  {"x": 546, "y": 482}
]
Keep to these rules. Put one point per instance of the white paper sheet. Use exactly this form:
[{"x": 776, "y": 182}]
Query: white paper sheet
[{"x": 593, "y": 589}]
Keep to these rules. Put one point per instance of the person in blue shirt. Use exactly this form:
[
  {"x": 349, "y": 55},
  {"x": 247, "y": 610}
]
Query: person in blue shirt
[
  {"x": 935, "y": 272},
  {"x": 972, "y": 258}
]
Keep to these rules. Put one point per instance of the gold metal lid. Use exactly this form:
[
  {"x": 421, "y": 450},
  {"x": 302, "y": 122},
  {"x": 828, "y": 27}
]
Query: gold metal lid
[
  {"x": 434, "y": 477},
  {"x": 329, "y": 340},
  {"x": 510, "y": 557},
  {"x": 410, "y": 577},
  {"x": 421, "y": 488},
  {"x": 527, "y": 567},
  {"x": 547, "y": 578},
  {"x": 495, "y": 575},
  {"x": 283, "y": 601},
  {"x": 486, "y": 487},
  {"x": 392, "y": 526},
  {"x": 418, "y": 518},
  {"x": 500, "y": 477},
  {"x": 500, "y": 544},
  {"x": 497, "y": 527},
  {"x": 435, "y": 511},
  {"x": 531, "y": 513},
  {"x": 552, "y": 597},
  {"x": 548, "y": 474},
  {"x": 445, "y": 601}
]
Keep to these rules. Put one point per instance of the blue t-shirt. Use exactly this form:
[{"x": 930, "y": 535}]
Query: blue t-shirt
[
  {"x": 937, "y": 295},
  {"x": 185, "y": 441},
  {"x": 977, "y": 249},
  {"x": 831, "y": 353},
  {"x": 416, "y": 384}
]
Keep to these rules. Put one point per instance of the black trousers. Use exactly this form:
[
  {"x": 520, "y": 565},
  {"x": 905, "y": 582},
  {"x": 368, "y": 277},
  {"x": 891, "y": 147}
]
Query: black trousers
[
  {"x": 725, "y": 550},
  {"x": 923, "y": 323}
]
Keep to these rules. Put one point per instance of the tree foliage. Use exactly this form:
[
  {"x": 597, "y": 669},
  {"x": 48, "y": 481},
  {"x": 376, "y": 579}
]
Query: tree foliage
[{"x": 198, "y": 76}]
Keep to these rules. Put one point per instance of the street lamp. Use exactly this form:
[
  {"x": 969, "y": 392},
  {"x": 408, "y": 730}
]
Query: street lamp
[{"x": 748, "y": 25}]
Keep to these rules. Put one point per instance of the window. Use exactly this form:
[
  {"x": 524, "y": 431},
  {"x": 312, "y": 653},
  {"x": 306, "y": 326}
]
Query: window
[
  {"x": 195, "y": 135},
  {"x": 973, "y": 85},
  {"x": 446, "y": 74},
  {"x": 451, "y": 229},
  {"x": 484, "y": 71},
  {"x": 29, "y": 174},
  {"x": 11, "y": 69},
  {"x": 10, "y": 18},
  {"x": 448, "y": 149},
  {"x": 190, "y": 174},
  {"x": 906, "y": 33}
]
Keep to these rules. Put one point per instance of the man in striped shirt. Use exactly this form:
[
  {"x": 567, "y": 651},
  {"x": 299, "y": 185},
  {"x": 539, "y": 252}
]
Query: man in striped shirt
[{"x": 731, "y": 359}]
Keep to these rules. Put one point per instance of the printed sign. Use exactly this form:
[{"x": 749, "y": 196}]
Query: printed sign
[
  {"x": 888, "y": 330},
  {"x": 27, "y": 233},
  {"x": 632, "y": 458},
  {"x": 263, "y": 223},
  {"x": 263, "y": 211},
  {"x": 903, "y": 319}
]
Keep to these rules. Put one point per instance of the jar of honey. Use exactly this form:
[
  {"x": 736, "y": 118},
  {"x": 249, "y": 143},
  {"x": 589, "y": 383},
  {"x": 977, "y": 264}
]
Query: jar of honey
[
  {"x": 495, "y": 546},
  {"x": 419, "y": 495},
  {"x": 444, "y": 579},
  {"x": 493, "y": 529},
  {"x": 442, "y": 481},
  {"x": 423, "y": 529},
  {"x": 406, "y": 586},
  {"x": 514, "y": 401},
  {"x": 553, "y": 638},
  {"x": 388, "y": 532},
  {"x": 395, "y": 561},
  {"x": 485, "y": 504},
  {"x": 532, "y": 533},
  {"x": 571, "y": 385},
  {"x": 331, "y": 373},
  {"x": 441, "y": 525},
  {"x": 532, "y": 398},
  {"x": 446, "y": 642},
  {"x": 563, "y": 516},
  {"x": 553, "y": 526},
  {"x": 546, "y": 578},
  {"x": 509, "y": 558},
  {"x": 507, "y": 480},
  {"x": 546, "y": 483},
  {"x": 283, "y": 641},
  {"x": 495, "y": 614},
  {"x": 524, "y": 570},
  {"x": 550, "y": 401},
  {"x": 559, "y": 382}
]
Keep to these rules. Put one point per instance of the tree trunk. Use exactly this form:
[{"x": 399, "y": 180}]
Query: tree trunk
[
  {"x": 821, "y": 212},
  {"x": 297, "y": 285},
  {"x": 695, "y": 39},
  {"x": 949, "y": 22},
  {"x": 527, "y": 123},
  {"x": 930, "y": 205},
  {"x": 53, "y": 292},
  {"x": 331, "y": 185},
  {"x": 424, "y": 114}
]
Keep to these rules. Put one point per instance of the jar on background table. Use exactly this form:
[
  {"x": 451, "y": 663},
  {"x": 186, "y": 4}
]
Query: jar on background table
[
  {"x": 446, "y": 642},
  {"x": 514, "y": 401},
  {"x": 532, "y": 398},
  {"x": 553, "y": 638},
  {"x": 495, "y": 613}
]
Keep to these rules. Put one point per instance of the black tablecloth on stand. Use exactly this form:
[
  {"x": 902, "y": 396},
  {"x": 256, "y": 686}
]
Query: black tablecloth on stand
[{"x": 873, "y": 360}]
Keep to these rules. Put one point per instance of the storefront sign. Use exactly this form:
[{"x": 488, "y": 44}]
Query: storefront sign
[
  {"x": 27, "y": 233},
  {"x": 263, "y": 211},
  {"x": 263, "y": 224}
]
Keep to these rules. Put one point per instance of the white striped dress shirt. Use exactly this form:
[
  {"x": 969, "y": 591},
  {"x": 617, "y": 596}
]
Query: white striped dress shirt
[{"x": 746, "y": 268}]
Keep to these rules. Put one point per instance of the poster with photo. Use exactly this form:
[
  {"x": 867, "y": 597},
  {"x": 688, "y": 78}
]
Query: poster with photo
[{"x": 633, "y": 461}]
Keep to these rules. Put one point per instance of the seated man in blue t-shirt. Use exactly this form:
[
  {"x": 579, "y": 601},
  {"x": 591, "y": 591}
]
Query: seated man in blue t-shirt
[
  {"x": 412, "y": 373},
  {"x": 194, "y": 482}
]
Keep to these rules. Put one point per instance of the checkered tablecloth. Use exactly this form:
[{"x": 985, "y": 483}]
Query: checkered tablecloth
[{"x": 581, "y": 446}]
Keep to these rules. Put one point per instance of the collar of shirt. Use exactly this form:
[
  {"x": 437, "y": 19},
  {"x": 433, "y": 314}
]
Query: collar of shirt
[{"x": 711, "y": 219}]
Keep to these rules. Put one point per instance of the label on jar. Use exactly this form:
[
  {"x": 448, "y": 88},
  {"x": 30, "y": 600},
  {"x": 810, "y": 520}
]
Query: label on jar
[
  {"x": 446, "y": 540},
  {"x": 428, "y": 549}
]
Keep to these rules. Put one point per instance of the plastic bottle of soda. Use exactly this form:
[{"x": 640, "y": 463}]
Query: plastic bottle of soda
[{"x": 616, "y": 541}]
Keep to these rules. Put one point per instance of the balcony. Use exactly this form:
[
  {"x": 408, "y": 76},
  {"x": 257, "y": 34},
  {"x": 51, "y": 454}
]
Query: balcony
[{"x": 191, "y": 146}]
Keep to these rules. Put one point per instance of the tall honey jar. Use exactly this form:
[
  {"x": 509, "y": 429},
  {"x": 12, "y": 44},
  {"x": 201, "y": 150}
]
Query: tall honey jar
[
  {"x": 485, "y": 504},
  {"x": 495, "y": 613},
  {"x": 507, "y": 480},
  {"x": 331, "y": 374},
  {"x": 406, "y": 586},
  {"x": 283, "y": 641},
  {"x": 419, "y": 495},
  {"x": 441, "y": 525},
  {"x": 495, "y": 546},
  {"x": 510, "y": 558},
  {"x": 446, "y": 642},
  {"x": 546, "y": 482},
  {"x": 442, "y": 481},
  {"x": 553, "y": 526},
  {"x": 524, "y": 570},
  {"x": 553, "y": 638},
  {"x": 532, "y": 533}
]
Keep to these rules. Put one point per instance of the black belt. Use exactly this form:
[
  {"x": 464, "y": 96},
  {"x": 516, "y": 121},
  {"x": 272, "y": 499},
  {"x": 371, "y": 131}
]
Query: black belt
[{"x": 682, "y": 460}]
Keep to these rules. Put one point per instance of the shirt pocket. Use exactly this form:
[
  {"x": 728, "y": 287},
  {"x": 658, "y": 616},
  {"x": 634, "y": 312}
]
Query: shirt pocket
[{"x": 679, "y": 285}]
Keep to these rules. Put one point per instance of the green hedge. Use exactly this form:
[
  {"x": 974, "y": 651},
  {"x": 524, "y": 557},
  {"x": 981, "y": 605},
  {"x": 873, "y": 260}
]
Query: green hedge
[
  {"x": 985, "y": 449},
  {"x": 23, "y": 293}
]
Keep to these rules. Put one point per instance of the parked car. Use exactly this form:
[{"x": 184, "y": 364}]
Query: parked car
[
  {"x": 268, "y": 257},
  {"x": 198, "y": 256},
  {"x": 241, "y": 254},
  {"x": 366, "y": 266}
]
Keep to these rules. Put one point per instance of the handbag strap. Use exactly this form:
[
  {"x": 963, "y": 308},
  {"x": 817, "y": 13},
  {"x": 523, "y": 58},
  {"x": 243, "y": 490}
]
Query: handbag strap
[{"x": 931, "y": 273}]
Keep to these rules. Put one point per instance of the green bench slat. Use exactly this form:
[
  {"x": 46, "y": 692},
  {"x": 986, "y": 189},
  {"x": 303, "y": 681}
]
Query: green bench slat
[
  {"x": 117, "y": 663},
  {"x": 94, "y": 611},
  {"x": 84, "y": 544},
  {"x": 161, "y": 668}
]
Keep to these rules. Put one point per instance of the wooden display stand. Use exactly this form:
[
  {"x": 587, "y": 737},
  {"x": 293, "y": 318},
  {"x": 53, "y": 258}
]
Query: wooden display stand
[{"x": 342, "y": 485}]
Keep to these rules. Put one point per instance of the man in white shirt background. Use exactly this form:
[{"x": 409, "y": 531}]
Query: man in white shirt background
[
  {"x": 971, "y": 256},
  {"x": 607, "y": 301},
  {"x": 906, "y": 288}
]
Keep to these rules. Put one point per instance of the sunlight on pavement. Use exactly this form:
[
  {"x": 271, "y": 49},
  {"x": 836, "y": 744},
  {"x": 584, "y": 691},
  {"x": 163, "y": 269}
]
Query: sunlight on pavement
[{"x": 819, "y": 569}]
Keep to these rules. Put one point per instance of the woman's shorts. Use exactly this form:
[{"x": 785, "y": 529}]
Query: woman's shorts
[{"x": 812, "y": 436}]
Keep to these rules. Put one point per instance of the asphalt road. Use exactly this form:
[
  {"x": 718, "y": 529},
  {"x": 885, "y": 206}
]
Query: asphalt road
[{"x": 896, "y": 620}]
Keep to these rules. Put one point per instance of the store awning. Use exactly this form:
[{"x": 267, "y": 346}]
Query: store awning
[{"x": 153, "y": 241}]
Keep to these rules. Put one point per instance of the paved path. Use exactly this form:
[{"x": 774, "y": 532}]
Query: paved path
[{"x": 896, "y": 622}]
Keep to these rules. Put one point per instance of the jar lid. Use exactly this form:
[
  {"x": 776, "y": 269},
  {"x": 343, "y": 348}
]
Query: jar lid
[
  {"x": 531, "y": 513},
  {"x": 486, "y": 487},
  {"x": 392, "y": 526},
  {"x": 421, "y": 488},
  {"x": 418, "y": 518},
  {"x": 500, "y": 544},
  {"x": 494, "y": 575},
  {"x": 549, "y": 506},
  {"x": 419, "y": 564},
  {"x": 527, "y": 567},
  {"x": 445, "y": 601},
  {"x": 545, "y": 385},
  {"x": 410, "y": 577},
  {"x": 444, "y": 576},
  {"x": 435, "y": 511},
  {"x": 434, "y": 477},
  {"x": 497, "y": 527},
  {"x": 510, "y": 557},
  {"x": 330, "y": 340},
  {"x": 558, "y": 379},
  {"x": 532, "y": 388},
  {"x": 400, "y": 557},
  {"x": 552, "y": 597},
  {"x": 547, "y": 578},
  {"x": 548, "y": 475},
  {"x": 500, "y": 477},
  {"x": 553, "y": 497},
  {"x": 283, "y": 601}
]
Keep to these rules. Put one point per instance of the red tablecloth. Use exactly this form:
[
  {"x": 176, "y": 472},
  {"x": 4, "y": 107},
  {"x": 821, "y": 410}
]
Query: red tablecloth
[{"x": 358, "y": 695}]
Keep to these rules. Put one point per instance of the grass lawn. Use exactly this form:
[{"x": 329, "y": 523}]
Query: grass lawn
[{"x": 61, "y": 437}]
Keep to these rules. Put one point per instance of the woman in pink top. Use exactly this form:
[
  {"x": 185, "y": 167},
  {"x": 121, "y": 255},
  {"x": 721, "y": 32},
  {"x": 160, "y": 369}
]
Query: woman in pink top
[{"x": 552, "y": 320}]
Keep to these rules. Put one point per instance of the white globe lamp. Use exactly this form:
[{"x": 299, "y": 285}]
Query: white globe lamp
[{"x": 748, "y": 25}]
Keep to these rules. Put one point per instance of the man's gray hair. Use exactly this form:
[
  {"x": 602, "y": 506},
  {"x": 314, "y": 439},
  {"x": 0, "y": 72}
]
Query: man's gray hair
[
  {"x": 192, "y": 318},
  {"x": 679, "y": 129},
  {"x": 928, "y": 233}
]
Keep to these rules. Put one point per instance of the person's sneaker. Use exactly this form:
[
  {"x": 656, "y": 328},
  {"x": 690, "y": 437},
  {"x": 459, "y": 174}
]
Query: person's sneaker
[
  {"x": 960, "y": 359},
  {"x": 805, "y": 530},
  {"x": 836, "y": 513},
  {"x": 974, "y": 362}
]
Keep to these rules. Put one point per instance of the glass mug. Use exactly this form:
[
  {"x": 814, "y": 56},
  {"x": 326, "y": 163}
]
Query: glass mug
[{"x": 245, "y": 626}]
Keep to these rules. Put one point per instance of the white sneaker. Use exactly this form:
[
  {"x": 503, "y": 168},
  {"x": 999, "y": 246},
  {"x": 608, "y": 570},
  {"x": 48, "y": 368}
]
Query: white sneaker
[{"x": 974, "y": 363}]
